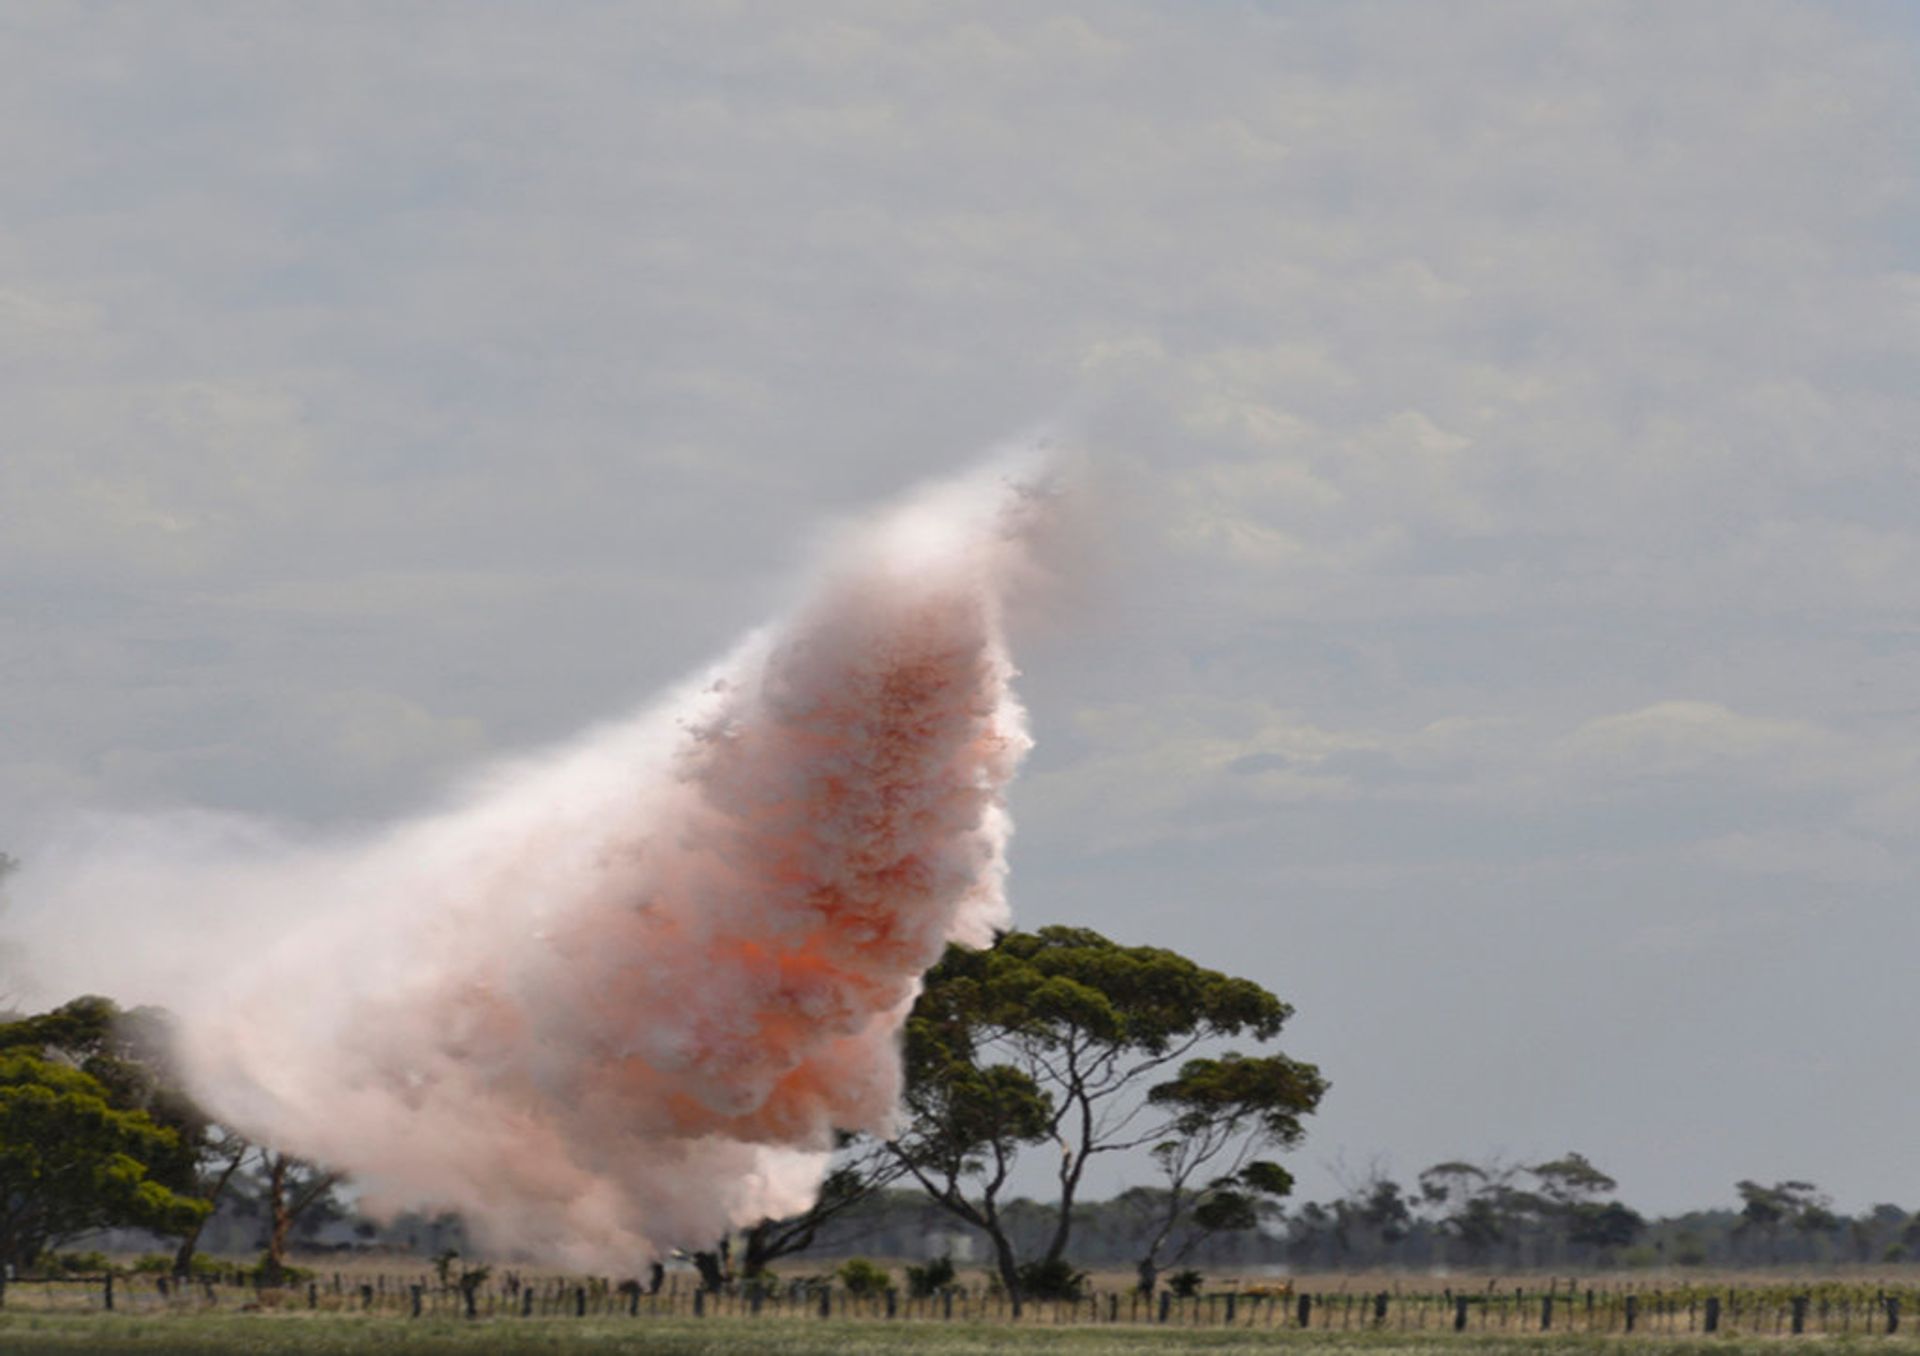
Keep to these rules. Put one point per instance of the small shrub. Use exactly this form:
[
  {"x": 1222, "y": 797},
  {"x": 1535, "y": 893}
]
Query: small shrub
[
  {"x": 75, "y": 1263},
  {"x": 1185, "y": 1283},
  {"x": 266, "y": 1274},
  {"x": 161, "y": 1264},
  {"x": 862, "y": 1277},
  {"x": 1055, "y": 1280},
  {"x": 924, "y": 1282}
]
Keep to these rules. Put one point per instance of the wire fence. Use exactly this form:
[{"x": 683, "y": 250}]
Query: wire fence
[{"x": 1823, "y": 1308}]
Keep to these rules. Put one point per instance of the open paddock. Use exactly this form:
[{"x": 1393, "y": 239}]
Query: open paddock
[{"x": 295, "y": 1334}]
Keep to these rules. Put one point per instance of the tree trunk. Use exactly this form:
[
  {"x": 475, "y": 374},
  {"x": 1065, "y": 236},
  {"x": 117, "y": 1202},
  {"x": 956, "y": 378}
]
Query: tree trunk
[
  {"x": 1008, "y": 1264},
  {"x": 281, "y": 1220},
  {"x": 183, "y": 1255}
]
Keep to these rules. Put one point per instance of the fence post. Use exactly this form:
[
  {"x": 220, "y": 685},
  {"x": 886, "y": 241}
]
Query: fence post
[
  {"x": 313, "y": 1295},
  {"x": 107, "y": 1297},
  {"x": 1459, "y": 1313},
  {"x": 1711, "y": 1323},
  {"x": 416, "y": 1300},
  {"x": 1546, "y": 1312},
  {"x": 1231, "y": 1298},
  {"x": 826, "y": 1301},
  {"x": 1632, "y": 1311},
  {"x": 1380, "y": 1309},
  {"x": 700, "y": 1303},
  {"x": 1303, "y": 1310},
  {"x": 893, "y": 1302},
  {"x": 1166, "y": 1304},
  {"x": 1799, "y": 1314},
  {"x": 946, "y": 1303},
  {"x": 366, "y": 1296}
]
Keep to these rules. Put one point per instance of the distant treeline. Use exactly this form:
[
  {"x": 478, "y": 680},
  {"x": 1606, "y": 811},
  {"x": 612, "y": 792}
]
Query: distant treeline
[
  {"x": 1554, "y": 1215},
  {"x": 1551, "y": 1216}
]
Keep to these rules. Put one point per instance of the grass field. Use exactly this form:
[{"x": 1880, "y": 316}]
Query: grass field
[
  {"x": 315, "y": 1335},
  {"x": 301, "y": 1335}
]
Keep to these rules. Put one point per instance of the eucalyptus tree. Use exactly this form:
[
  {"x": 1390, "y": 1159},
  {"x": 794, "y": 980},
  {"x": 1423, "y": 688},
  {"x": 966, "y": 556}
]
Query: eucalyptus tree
[{"x": 1064, "y": 1037}]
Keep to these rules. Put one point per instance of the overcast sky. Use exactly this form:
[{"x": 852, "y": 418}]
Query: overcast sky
[{"x": 1509, "y": 647}]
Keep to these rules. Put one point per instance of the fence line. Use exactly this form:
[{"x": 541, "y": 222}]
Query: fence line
[{"x": 1772, "y": 1309}]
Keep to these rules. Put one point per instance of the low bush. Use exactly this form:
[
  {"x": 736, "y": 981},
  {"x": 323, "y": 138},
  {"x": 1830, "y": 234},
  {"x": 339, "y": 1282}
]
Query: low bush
[
  {"x": 924, "y": 1282},
  {"x": 862, "y": 1277},
  {"x": 1054, "y": 1280}
]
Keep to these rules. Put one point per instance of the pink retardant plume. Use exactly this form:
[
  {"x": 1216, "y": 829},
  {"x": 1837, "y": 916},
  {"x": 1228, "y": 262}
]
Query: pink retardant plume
[{"x": 621, "y": 998}]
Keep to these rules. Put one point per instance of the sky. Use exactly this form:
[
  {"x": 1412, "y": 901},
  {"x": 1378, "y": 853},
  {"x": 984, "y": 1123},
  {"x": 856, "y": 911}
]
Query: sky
[{"x": 1504, "y": 632}]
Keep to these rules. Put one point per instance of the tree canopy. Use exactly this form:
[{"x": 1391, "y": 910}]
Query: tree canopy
[{"x": 71, "y": 1161}]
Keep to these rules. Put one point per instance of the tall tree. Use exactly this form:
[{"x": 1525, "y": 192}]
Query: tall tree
[
  {"x": 131, "y": 1053},
  {"x": 1476, "y": 1205},
  {"x": 1766, "y": 1210},
  {"x": 1568, "y": 1199},
  {"x": 71, "y": 1161},
  {"x": 1066, "y": 1037},
  {"x": 294, "y": 1189},
  {"x": 1226, "y": 1112}
]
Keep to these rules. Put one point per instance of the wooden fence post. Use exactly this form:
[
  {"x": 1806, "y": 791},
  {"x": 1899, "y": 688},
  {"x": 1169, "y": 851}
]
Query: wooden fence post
[
  {"x": 416, "y": 1300},
  {"x": 1799, "y": 1314},
  {"x": 1380, "y": 1309},
  {"x": 313, "y": 1295},
  {"x": 1632, "y": 1311},
  {"x": 1546, "y": 1312},
  {"x": 1711, "y": 1323},
  {"x": 366, "y": 1295},
  {"x": 700, "y": 1304},
  {"x": 826, "y": 1301},
  {"x": 1303, "y": 1310},
  {"x": 1893, "y": 1313},
  {"x": 1459, "y": 1313},
  {"x": 526, "y": 1302},
  {"x": 107, "y": 1297}
]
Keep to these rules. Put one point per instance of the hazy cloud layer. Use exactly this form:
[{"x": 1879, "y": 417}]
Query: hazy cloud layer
[{"x": 1508, "y": 437}]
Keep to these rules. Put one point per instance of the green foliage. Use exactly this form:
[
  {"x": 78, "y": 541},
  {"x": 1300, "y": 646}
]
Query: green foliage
[
  {"x": 928, "y": 1280},
  {"x": 76, "y": 1264},
  {"x": 762, "y": 1283},
  {"x": 1273, "y": 1091},
  {"x": 269, "y": 1272},
  {"x": 160, "y": 1263},
  {"x": 1185, "y": 1283},
  {"x": 862, "y": 1277},
  {"x": 71, "y": 1161},
  {"x": 1052, "y": 1278}
]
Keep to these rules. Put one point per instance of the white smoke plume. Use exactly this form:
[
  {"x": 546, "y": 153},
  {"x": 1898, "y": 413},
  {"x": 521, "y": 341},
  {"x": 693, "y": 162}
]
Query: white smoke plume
[{"x": 619, "y": 998}]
